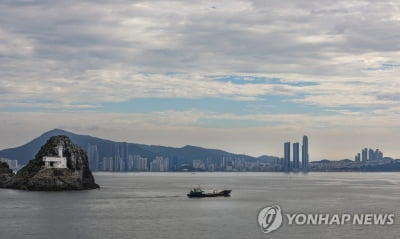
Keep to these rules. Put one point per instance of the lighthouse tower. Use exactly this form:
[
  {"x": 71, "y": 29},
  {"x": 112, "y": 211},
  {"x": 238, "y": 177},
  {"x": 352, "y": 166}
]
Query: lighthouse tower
[{"x": 56, "y": 162}]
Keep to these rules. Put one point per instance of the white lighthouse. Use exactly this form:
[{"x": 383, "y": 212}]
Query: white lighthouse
[{"x": 56, "y": 162}]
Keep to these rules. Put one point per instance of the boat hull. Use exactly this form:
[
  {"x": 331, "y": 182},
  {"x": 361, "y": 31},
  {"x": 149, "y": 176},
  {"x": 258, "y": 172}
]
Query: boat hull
[{"x": 224, "y": 193}]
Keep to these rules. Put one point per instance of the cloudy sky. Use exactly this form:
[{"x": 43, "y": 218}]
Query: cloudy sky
[{"x": 243, "y": 76}]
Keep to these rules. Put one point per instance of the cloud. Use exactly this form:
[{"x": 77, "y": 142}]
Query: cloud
[
  {"x": 287, "y": 63},
  {"x": 249, "y": 36}
]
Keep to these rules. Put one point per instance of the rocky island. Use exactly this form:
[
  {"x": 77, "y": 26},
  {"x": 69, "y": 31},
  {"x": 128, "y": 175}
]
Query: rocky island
[
  {"x": 59, "y": 165},
  {"x": 5, "y": 173}
]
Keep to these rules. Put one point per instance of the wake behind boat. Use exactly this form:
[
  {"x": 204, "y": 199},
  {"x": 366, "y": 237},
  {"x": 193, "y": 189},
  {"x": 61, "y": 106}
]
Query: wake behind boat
[{"x": 199, "y": 193}]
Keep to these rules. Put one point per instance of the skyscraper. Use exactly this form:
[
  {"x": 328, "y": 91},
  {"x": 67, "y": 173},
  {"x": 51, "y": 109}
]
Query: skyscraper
[
  {"x": 364, "y": 155},
  {"x": 296, "y": 156},
  {"x": 286, "y": 158},
  {"x": 371, "y": 154},
  {"x": 378, "y": 154},
  {"x": 93, "y": 156},
  {"x": 304, "y": 154}
]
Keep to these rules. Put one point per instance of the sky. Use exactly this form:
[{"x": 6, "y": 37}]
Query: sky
[{"x": 242, "y": 76}]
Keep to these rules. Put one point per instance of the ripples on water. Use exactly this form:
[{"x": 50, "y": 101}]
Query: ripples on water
[{"x": 154, "y": 205}]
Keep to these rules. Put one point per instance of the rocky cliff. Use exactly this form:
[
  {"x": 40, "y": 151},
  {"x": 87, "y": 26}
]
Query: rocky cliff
[
  {"x": 35, "y": 176},
  {"x": 5, "y": 173}
]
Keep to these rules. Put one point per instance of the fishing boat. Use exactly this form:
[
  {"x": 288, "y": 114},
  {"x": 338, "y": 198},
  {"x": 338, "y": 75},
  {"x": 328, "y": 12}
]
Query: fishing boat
[{"x": 199, "y": 193}]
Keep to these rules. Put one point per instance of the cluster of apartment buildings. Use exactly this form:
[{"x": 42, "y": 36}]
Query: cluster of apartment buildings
[
  {"x": 122, "y": 161},
  {"x": 369, "y": 155},
  {"x": 224, "y": 164}
]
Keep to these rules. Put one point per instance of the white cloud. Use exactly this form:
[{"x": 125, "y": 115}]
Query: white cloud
[
  {"x": 12, "y": 44},
  {"x": 78, "y": 55}
]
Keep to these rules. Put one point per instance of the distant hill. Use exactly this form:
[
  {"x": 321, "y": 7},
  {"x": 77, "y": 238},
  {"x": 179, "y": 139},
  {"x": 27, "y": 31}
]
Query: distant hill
[{"x": 107, "y": 148}]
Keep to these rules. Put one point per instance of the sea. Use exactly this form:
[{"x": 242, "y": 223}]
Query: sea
[{"x": 155, "y": 205}]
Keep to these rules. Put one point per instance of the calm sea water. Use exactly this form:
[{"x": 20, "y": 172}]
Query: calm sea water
[{"x": 154, "y": 205}]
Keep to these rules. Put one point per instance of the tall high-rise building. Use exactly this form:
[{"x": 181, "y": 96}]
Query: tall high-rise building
[
  {"x": 371, "y": 154},
  {"x": 296, "y": 156},
  {"x": 378, "y": 154},
  {"x": 199, "y": 164},
  {"x": 137, "y": 163},
  {"x": 286, "y": 157},
  {"x": 93, "y": 156},
  {"x": 364, "y": 155},
  {"x": 125, "y": 155},
  {"x": 107, "y": 164},
  {"x": 227, "y": 163},
  {"x": 358, "y": 157},
  {"x": 240, "y": 164},
  {"x": 159, "y": 164},
  {"x": 304, "y": 154},
  {"x": 120, "y": 154}
]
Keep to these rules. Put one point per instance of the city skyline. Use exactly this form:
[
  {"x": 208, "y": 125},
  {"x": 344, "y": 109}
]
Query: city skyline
[
  {"x": 106, "y": 155},
  {"x": 242, "y": 76},
  {"x": 364, "y": 154}
]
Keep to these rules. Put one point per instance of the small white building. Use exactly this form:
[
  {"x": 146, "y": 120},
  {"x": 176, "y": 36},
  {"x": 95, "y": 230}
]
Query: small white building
[{"x": 56, "y": 162}]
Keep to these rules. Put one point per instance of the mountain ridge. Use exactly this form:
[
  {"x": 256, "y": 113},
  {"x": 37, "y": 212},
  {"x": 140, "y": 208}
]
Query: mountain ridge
[{"x": 106, "y": 147}]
